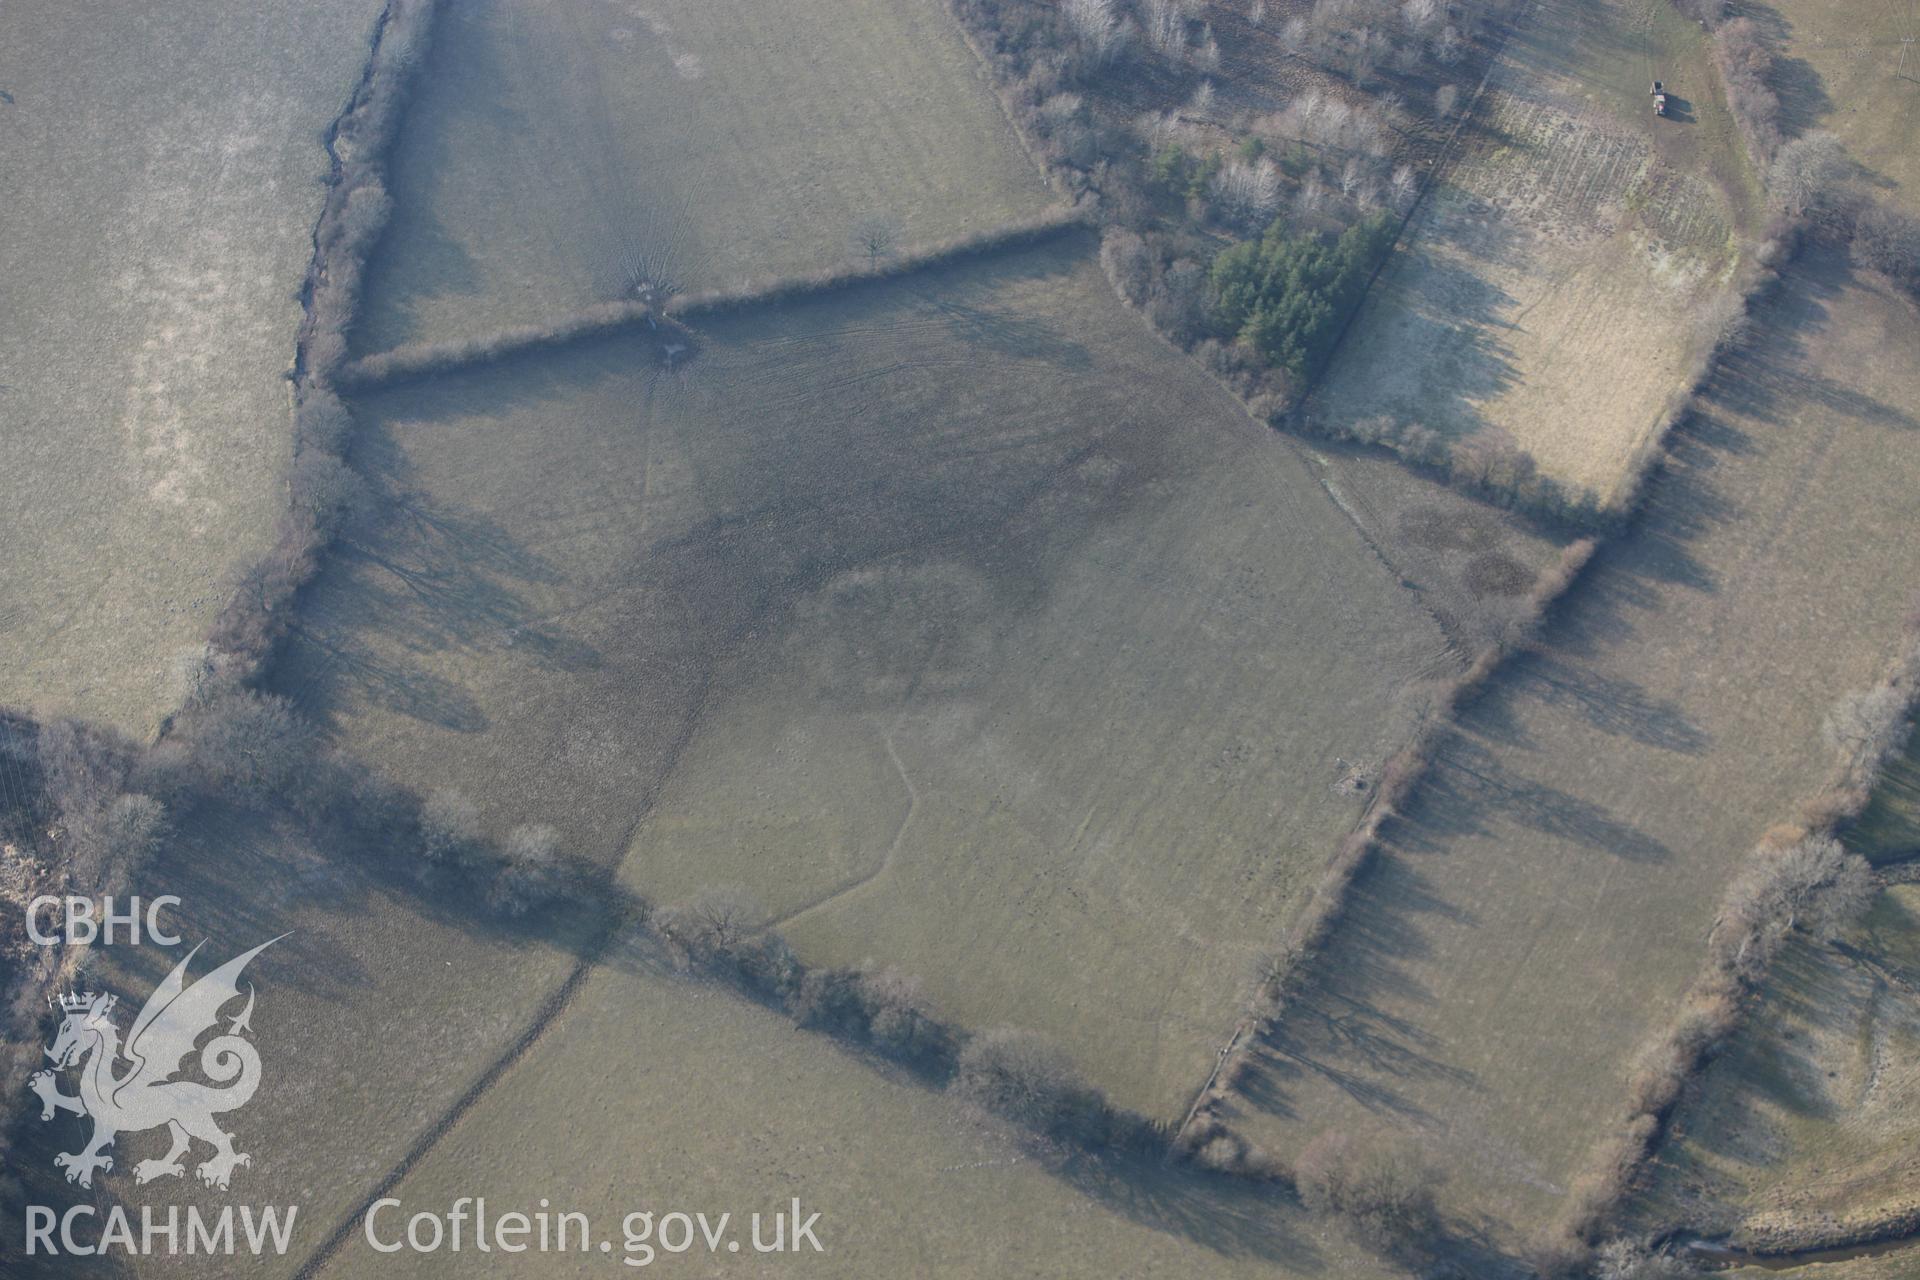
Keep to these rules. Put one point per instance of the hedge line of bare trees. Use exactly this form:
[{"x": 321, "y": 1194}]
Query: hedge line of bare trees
[
  {"x": 323, "y": 488},
  {"x": 1014, "y": 1074},
  {"x": 1799, "y": 882},
  {"x": 1204, "y": 1134},
  {"x": 880, "y": 262},
  {"x": 1745, "y": 62}
]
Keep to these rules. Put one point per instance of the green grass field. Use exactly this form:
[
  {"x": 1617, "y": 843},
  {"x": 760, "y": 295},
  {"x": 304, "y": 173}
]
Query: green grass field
[
  {"x": 1551, "y": 293},
  {"x": 160, "y": 174},
  {"x": 551, "y": 145},
  {"x": 1548, "y": 900},
  {"x": 956, "y": 621}
]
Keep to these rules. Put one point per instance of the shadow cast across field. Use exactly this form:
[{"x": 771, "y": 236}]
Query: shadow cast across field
[
  {"x": 1802, "y": 91},
  {"x": 1340, "y": 1020},
  {"x": 1441, "y": 314}
]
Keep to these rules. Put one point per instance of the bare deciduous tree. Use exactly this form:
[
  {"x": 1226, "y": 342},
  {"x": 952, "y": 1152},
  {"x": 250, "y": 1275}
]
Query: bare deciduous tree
[
  {"x": 1018, "y": 1075},
  {"x": 1623, "y": 1259},
  {"x": 449, "y": 827},
  {"x": 252, "y": 746},
  {"x": 1404, "y": 187},
  {"x": 1808, "y": 177},
  {"x": 1166, "y": 23},
  {"x": 877, "y": 236},
  {"x": 1103, "y": 36},
  {"x": 532, "y": 874},
  {"x": 1248, "y": 194},
  {"x": 1867, "y": 727},
  {"x": 1384, "y": 1193}
]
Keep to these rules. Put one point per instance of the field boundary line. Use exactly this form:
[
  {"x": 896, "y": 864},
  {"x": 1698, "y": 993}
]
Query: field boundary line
[
  {"x": 424, "y": 359},
  {"x": 1442, "y": 163}
]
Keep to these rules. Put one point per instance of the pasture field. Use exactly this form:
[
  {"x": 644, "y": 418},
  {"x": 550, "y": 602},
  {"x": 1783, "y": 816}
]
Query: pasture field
[
  {"x": 1469, "y": 563},
  {"x": 936, "y": 617},
  {"x": 657, "y": 1093},
  {"x": 160, "y": 175},
  {"x": 1541, "y": 910},
  {"x": 389, "y": 998},
  {"x": 1854, "y": 68},
  {"x": 1553, "y": 290},
  {"x": 1803, "y": 1130},
  {"x": 554, "y": 147}
]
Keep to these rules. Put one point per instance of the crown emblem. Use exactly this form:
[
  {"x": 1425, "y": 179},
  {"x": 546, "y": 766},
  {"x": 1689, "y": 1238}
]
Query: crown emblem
[{"x": 72, "y": 1003}]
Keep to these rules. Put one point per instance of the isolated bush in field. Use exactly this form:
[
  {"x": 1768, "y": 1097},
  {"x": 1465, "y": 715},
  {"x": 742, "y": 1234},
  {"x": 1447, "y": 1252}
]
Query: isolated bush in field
[
  {"x": 450, "y": 829},
  {"x": 251, "y": 747},
  {"x": 1019, "y": 1076},
  {"x": 531, "y": 875},
  {"x": 1382, "y": 1192}
]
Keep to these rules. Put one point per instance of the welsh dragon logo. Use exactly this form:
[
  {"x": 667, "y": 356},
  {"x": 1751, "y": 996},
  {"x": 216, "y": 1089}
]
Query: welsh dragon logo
[{"x": 144, "y": 1095}]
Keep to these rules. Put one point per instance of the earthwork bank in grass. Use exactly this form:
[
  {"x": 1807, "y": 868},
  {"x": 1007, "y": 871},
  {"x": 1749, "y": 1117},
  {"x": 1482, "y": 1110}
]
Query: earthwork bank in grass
[
  {"x": 1546, "y": 902},
  {"x": 935, "y": 617},
  {"x": 160, "y": 171},
  {"x": 557, "y": 153}
]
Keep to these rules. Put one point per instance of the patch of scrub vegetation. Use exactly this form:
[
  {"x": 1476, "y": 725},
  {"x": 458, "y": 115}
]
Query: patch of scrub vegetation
[
  {"x": 567, "y": 154},
  {"x": 145, "y": 409},
  {"x": 953, "y": 620}
]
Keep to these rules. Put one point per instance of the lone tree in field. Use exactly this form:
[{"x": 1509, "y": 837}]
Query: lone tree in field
[{"x": 877, "y": 236}]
